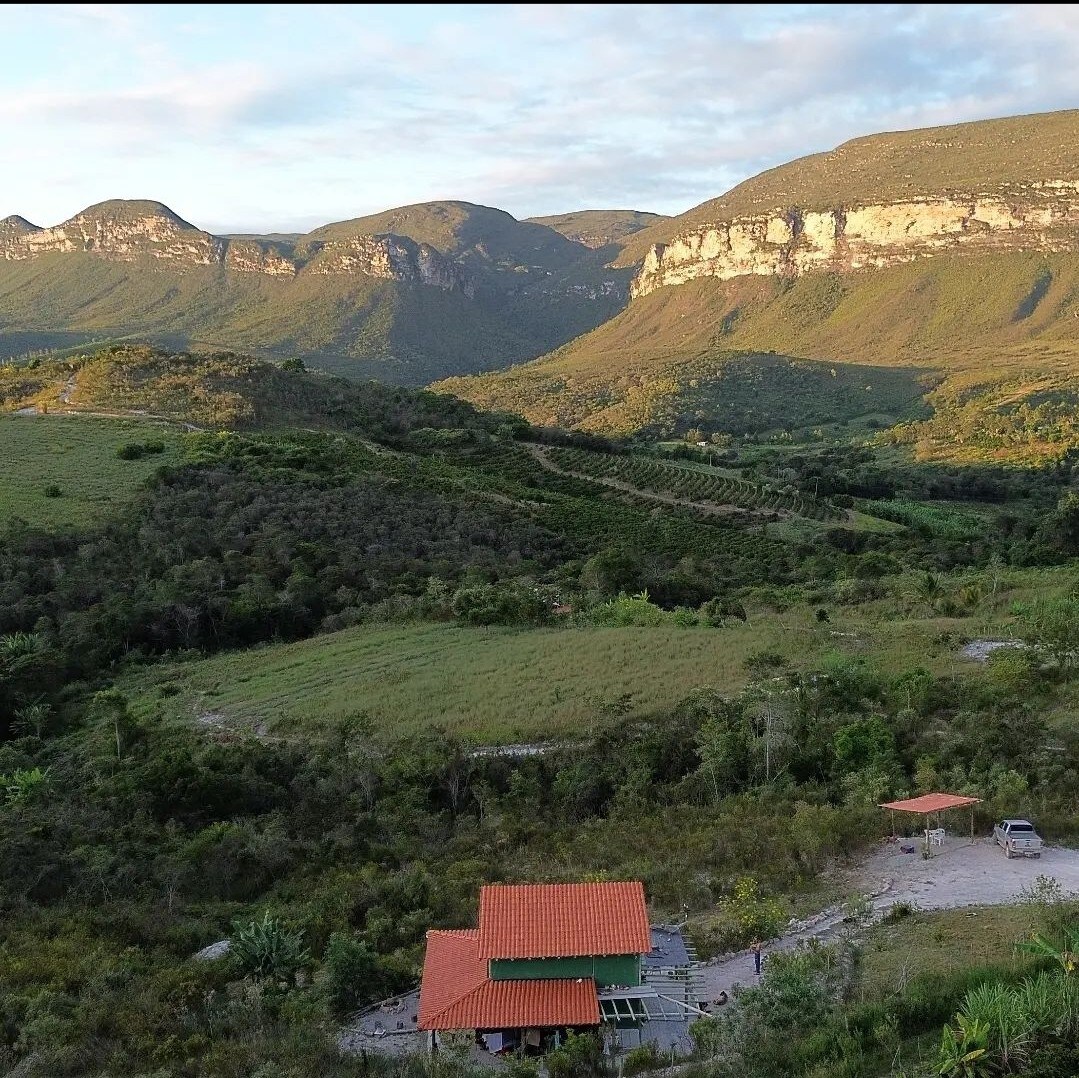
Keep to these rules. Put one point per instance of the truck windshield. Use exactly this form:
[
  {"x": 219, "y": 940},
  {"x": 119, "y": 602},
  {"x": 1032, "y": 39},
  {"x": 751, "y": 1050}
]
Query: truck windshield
[{"x": 1020, "y": 827}]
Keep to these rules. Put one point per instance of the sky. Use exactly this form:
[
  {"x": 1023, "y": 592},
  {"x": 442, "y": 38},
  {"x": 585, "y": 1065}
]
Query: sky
[{"x": 281, "y": 118}]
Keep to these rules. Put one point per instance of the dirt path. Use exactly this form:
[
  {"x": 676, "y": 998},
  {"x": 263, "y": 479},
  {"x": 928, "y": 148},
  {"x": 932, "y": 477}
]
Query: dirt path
[
  {"x": 117, "y": 413},
  {"x": 959, "y": 874},
  {"x": 710, "y": 508}
]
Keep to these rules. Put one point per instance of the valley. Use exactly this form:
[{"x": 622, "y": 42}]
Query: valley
[{"x": 710, "y": 537}]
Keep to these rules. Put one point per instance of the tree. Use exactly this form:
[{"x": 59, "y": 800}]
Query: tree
[
  {"x": 721, "y": 747},
  {"x": 353, "y": 975},
  {"x": 110, "y": 706},
  {"x": 1052, "y": 625},
  {"x": 770, "y": 706}
]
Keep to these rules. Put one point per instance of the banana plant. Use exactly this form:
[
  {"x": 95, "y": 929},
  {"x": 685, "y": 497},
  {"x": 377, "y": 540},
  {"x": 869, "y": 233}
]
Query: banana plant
[
  {"x": 963, "y": 1050},
  {"x": 1066, "y": 954}
]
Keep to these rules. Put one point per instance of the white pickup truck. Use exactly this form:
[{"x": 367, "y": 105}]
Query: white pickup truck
[{"x": 1018, "y": 838}]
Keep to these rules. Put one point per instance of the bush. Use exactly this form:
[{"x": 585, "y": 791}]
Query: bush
[
  {"x": 580, "y": 1057},
  {"x": 644, "y": 1057},
  {"x": 353, "y": 977},
  {"x": 131, "y": 451},
  {"x": 53, "y": 491}
]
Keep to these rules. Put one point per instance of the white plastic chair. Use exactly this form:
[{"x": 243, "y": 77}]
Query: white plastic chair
[{"x": 935, "y": 835}]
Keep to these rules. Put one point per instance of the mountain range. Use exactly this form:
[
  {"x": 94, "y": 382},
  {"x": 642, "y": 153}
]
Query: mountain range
[
  {"x": 919, "y": 282},
  {"x": 407, "y": 296}
]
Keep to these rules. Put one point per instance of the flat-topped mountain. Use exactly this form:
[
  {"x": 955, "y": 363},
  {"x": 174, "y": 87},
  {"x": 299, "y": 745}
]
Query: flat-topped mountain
[
  {"x": 407, "y": 295},
  {"x": 940, "y": 251},
  {"x": 598, "y": 228}
]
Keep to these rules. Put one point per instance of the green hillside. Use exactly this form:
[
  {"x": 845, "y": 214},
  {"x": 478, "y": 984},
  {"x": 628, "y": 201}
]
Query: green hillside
[
  {"x": 534, "y": 289},
  {"x": 985, "y": 155},
  {"x": 221, "y": 390},
  {"x": 501, "y": 686},
  {"x": 60, "y": 472},
  {"x": 756, "y": 354},
  {"x": 239, "y": 699}
]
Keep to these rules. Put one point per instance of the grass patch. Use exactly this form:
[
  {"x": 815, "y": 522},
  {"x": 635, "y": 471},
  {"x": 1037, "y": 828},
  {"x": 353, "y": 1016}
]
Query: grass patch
[
  {"x": 503, "y": 685},
  {"x": 62, "y": 471},
  {"x": 943, "y": 942}
]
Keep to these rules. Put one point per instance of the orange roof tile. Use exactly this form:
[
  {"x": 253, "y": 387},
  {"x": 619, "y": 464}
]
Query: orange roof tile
[
  {"x": 932, "y": 803},
  {"x": 452, "y": 968},
  {"x": 456, "y": 994},
  {"x": 560, "y": 920},
  {"x": 522, "y": 1005}
]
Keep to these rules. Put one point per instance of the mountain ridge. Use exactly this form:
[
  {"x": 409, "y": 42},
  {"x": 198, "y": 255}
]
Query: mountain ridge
[
  {"x": 409, "y": 295},
  {"x": 967, "y": 290}
]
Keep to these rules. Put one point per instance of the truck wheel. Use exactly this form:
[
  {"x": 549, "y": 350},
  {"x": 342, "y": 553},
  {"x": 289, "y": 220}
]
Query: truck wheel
[{"x": 1038, "y": 854}]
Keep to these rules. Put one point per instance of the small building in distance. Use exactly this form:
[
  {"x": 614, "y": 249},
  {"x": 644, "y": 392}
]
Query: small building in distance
[{"x": 545, "y": 959}]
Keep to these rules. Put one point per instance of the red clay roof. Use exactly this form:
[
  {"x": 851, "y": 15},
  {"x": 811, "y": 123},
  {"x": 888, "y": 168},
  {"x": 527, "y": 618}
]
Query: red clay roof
[
  {"x": 456, "y": 994},
  {"x": 560, "y": 920},
  {"x": 452, "y": 968},
  {"x": 522, "y": 1005},
  {"x": 932, "y": 803}
]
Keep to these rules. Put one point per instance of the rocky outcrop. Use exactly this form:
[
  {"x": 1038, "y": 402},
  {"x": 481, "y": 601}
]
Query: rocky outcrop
[
  {"x": 251, "y": 257},
  {"x": 394, "y": 258},
  {"x": 1042, "y": 216},
  {"x": 123, "y": 231}
]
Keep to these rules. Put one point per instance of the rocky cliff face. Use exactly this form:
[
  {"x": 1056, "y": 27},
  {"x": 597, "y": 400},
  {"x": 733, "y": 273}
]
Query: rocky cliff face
[
  {"x": 394, "y": 258},
  {"x": 119, "y": 230},
  {"x": 123, "y": 231},
  {"x": 1038, "y": 216}
]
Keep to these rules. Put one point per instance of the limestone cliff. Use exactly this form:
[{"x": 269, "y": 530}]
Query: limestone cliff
[
  {"x": 1040, "y": 216},
  {"x": 118, "y": 230},
  {"x": 395, "y": 258},
  {"x": 125, "y": 231}
]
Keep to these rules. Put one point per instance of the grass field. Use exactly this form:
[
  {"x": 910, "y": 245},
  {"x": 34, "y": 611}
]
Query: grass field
[
  {"x": 504, "y": 685},
  {"x": 943, "y": 942},
  {"x": 78, "y": 457}
]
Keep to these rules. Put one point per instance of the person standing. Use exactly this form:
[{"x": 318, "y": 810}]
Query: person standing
[{"x": 755, "y": 947}]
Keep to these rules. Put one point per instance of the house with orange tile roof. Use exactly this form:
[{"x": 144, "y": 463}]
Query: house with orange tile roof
[{"x": 545, "y": 958}]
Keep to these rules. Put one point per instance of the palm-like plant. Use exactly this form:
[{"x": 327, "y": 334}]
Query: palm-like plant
[
  {"x": 963, "y": 1050},
  {"x": 929, "y": 588},
  {"x": 1066, "y": 954},
  {"x": 268, "y": 948}
]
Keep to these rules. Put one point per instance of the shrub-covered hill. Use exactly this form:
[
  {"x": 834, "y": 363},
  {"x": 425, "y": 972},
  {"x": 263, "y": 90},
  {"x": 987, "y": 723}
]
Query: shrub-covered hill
[
  {"x": 226, "y": 390},
  {"x": 598, "y": 228}
]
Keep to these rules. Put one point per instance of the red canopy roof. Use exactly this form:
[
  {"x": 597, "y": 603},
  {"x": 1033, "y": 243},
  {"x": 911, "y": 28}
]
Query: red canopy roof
[
  {"x": 932, "y": 803},
  {"x": 455, "y": 992},
  {"x": 562, "y": 920}
]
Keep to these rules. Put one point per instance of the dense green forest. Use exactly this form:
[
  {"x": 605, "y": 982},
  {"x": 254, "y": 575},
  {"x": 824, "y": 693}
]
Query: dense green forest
[{"x": 134, "y": 832}]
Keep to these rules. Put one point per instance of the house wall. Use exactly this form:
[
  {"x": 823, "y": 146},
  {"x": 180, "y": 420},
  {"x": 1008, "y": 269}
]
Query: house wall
[{"x": 604, "y": 969}]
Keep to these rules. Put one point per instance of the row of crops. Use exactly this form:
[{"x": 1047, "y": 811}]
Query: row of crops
[{"x": 647, "y": 474}]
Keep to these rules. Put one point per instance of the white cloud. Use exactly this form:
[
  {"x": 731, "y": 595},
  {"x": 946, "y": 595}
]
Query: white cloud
[{"x": 338, "y": 111}]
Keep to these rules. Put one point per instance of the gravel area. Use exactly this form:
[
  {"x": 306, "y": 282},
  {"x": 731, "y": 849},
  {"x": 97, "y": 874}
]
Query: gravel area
[{"x": 958, "y": 874}]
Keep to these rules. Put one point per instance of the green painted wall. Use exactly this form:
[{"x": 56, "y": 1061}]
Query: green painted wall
[{"x": 605, "y": 969}]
